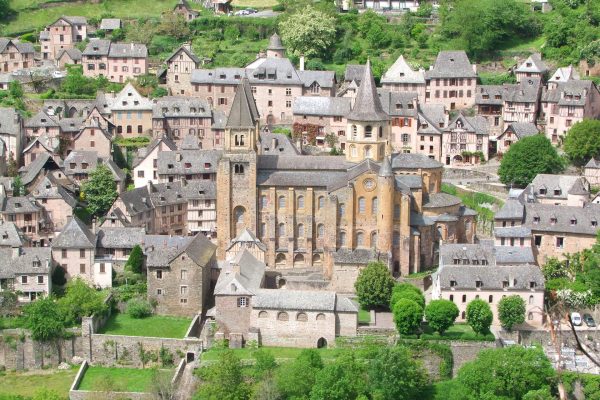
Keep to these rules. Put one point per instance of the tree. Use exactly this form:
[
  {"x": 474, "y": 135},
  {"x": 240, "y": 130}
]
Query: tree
[
  {"x": 8, "y": 303},
  {"x": 407, "y": 316},
  {"x": 583, "y": 141},
  {"x": 4, "y": 9},
  {"x": 162, "y": 385},
  {"x": 395, "y": 375},
  {"x": 308, "y": 32},
  {"x": 59, "y": 276},
  {"x": 264, "y": 363},
  {"x": 528, "y": 157},
  {"x": 81, "y": 300},
  {"x": 15, "y": 89},
  {"x": 511, "y": 311},
  {"x": 296, "y": 379},
  {"x": 44, "y": 319},
  {"x": 18, "y": 187},
  {"x": 224, "y": 381},
  {"x": 174, "y": 25},
  {"x": 135, "y": 262},
  {"x": 13, "y": 168},
  {"x": 100, "y": 191},
  {"x": 441, "y": 314},
  {"x": 407, "y": 291},
  {"x": 479, "y": 316},
  {"x": 374, "y": 286},
  {"x": 343, "y": 379},
  {"x": 507, "y": 373}
]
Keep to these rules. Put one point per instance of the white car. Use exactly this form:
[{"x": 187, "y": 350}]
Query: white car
[{"x": 576, "y": 319}]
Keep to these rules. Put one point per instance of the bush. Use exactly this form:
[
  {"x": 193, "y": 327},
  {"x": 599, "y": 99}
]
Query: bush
[
  {"x": 374, "y": 286},
  {"x": 407, "y": 291},
  {"x": 139, "y": 308},
  {"x": 441, "y": 314},
  {"x": 511, "y": 311},
  {"x": 407, "y": 316},
  {"x": 479, "y": 316}
]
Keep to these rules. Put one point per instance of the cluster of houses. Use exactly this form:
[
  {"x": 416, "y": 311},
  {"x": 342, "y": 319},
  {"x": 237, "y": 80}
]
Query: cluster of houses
[{"x": 223, "y": 207}]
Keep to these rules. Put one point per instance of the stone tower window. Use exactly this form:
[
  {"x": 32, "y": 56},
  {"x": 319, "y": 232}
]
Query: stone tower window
[
  {"x": 368, "y": 131},
  {"x": 353, "y": 151},
  {"x": 300, "y": 231},
  {"x": 301, "y": 317},
  {"x": 360, "y": 239},
  {"x": 320, "y": 231},
  {"x": 238, "y": 169},
  {"x": 396, "y": 211},
  {"x": 342, "y": 239},
  {"x": 282, "y": 316},
  {"x": 354, "y": 131},
  {"x": 281, "y": 229},
  {"x": 263, "y": 201},
  {"x": 368, "y": 152},
  {"x": 374, "y": 239},
  {"x": 239, "y": 214},
  {"x": 281, "y": 201},
  {"x": 361, "y": 205},
  {"x": 374, "y": 205},
  {"x": 320, "y": 317},
  {"x": 342, "y": 210},
  {"x": 396, "y": 239},
  {"x": 300, "y": 202},
  {"x": 321, "y": 202}
]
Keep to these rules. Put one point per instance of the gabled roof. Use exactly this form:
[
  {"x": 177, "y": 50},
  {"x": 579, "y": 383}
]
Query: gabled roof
[
  {"x": 476, "y": 124},
  {"x": 522, "y": 129},
  {"x": 451, "y": 64},
  {"x": 401, "y": 72},
  {"x": 41, "y": 120},
  {"x": 187, "y": 50},
  {"x": 181, "y": 107},
  {"x": 144, "y": 152},
  {"x": 22, "y": 47},
  {"x": 129, "y": 99},
  {"x": 73, "y": 53},
  {"x": 243, "y": 113},
  {"x": 11, "y": 235},
  {"x": 512, "y": 209},
  {"x": 50, "y": 144},
  {"x": 75, "y": 235},
  {"x": 593, "y": 164},
  {"x": 318, "y": 105},
  {"x": 277, "y": 143},
  {"x": 198, "y": 248},
  {"x": 120, "y": 237},
  {"x": 97, "y": 47},
  {"x": 564, "y": 74},
  {"x": 354, "y": 73},
  {"x": 128, "y": 50},
  {"x": 31, "y": 260},
  {"x": 367, "y": 105},
  {"x": 533, "y": 64},
  {"x": 325, "y": 79},
  {"x": 110, "y": 24},
  {"x": 32, "y": 170},
  {"x": 398, "y": 104},
  {"x": 243, "y": 275}
]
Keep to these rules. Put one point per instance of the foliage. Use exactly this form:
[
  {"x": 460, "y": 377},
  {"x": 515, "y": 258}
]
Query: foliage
[
  {"x": 135, "y": 262},
  {"x": 511, "y": 311},
  {"x": 81, "y": 300},
  {"x": 395, "y": 375},
  {"x": 8, "y": 303},
  {"x": 479, "y": 316},
  {"x": 100, "y": 190},
  {"x": 77, "y": 86},
  {"x": 224, "y": 380},
  {"x": 441, "y": 314},
  {"x": 296, "y": 379},
  {"x": 160, "y": 326},
  {"x": 527, "y": 158},
  {"x": 308, "y": 32},
  {"x": 508, "y": 373},
  {"x": 125, "y": 292},
  {"x": 496, "y": 78},
  {"x": 174, "y": 25},
  {"x": 408, "y": 316},
  {"x": 139, "y": 308},
  {"x": 18, "y": 187},
  {"x": 5, "y": 10},
  {"x": 264, "y": 363},
  {"x": 343, "y": 379},
  {"x": 43, "y": 319},
  {"x": 407, "y": 291},
  {"x": 441, "y": 350},
  {"x": 374, "y": 286},
  {"x": 583, "y": 141}
]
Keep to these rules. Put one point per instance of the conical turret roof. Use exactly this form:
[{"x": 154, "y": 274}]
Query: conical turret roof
[
  {"x": 386, "y": 168},
  {"x": 367, "y": 106},
  {"x": 243, "y": 113},
  {"x": 275, "y": 43}
]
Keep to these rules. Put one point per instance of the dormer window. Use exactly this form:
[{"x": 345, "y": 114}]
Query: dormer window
[
  {"x": 528, "y": 64},
  {"x": 573, "y": 221},
  {"x": 465, "y": 261},
  {"x": 594, "y": 222},
  {"x": 478, "y": 284},
  {"x": 207, "y": 165},
  {"x": 497, "y": 97},
  {"x": 37, "y": 264},
  {"x": 456, "y": 261},
  {"x": 136, "y": 103},
  {"x": 237, "y": 76},
  {"x": 452, "y": 283},
  {"x": 536, "y": 220},
  {"x": 543, "y": 191},
  {"x": 72, "y": 165},
  {"x": 484, "y": 262},
  {"x": 188, "y": 165},
  {"x": 129, "y": 94},
  {"x": 5, "y": 236},
  {"x": 504, "y": 284},
  {"x": 475, "y": 261},
  {"x": 398, "y": 106},
  {"x": 532, "y": 285},
  {"x": 193, "y": 109},
  {"x": 84, "y": 166},
  {"x": 44, "y": 120},
  {"x": 165, "y": 110},
  {"x": 553, "y": 220},
  {"x": 486, "y": 96},
  {"x": 557, "y": 192},
  {"x": 410, "y": 106},
  {"x": 170, "y": 166},
  {"x": 17, "y": 205}
]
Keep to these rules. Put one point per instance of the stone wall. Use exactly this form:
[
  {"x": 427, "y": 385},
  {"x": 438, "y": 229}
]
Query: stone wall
[{"x": 463, "y": 352}]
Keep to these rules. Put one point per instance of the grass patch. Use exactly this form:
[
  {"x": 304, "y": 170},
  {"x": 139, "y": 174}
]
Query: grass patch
[
  {"x": 279, "y": 353},
  {"x": 474, "y": 200},
  {"x": 420, "y": 275},
  {"x": 154, "y": 326},
  {"x": 364, "y": 316},
  {"x": 119, "y": 379},
  {"x": 11, "y": 322},
  {"x": 456, "y": 332},
  {"x": 29, "y": 383}
]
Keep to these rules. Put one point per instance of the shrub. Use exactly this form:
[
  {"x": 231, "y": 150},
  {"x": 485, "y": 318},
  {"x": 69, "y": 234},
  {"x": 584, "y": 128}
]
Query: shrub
[
  {"x": 407, "y": 316},
  {"x": 407, "y": 291},
  {"x": 139, "y": 308},
  {"x": 440, "y": 314},
  {"x": 479, "y": 316}
]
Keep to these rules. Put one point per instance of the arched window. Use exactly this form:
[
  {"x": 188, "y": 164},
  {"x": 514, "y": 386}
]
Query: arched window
[
  {"x": 374, "y": 205},
  {"x": 360, "y": 239},
  {"x": 320, "y": 231},
  {"x": 320, "y": 317},
  {"x": 239, "y": 214},
  {"x": 301, "y": 317},
  {"x": 342, "y": 210},
  {"x": 321, "y": 202},
  {"x": 342, "y": 239},
  {"x": 280, "y": 259},
  {"x": 530, "y": 316},
  {"x": 300, "y": 231},
  {"x": 263, "y": 314},
  {"x": 361, "y": 205},
  {"x": 368, "y": 131},
  {"x": 282, "y": 316},
  {"x": 530, "y": 299},
  {"x": 241, "y": 140},
  {"x": 300, "y": 202},
  {"x": 281, "y": 229},
  {"x": 237, "y": 140},
  {"x": 381, "y": 131},
  {"x": 368, "y": 152},
  {"x": 396, "y": 239},
  {"x": 281, "y": 202},
  {"x": 374, "y": 239},
  {"x": 263, "y": 201}
]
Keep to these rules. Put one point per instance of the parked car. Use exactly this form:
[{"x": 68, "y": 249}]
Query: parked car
[
  {"x": 589, "y": 321},
  {"x": 241, "y": 12},
  {"x": 576, "y": 318},
  {"x": 251, "y": 10}
]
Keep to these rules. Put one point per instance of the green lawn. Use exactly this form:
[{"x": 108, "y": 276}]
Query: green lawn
[
  {"x": 11, "y": 322},
  {"x": 154, "y": 326},
  {"x": 279, "y": 353},
  {"x": 364, "y": 316},
  {"x": 29, "y": 383},
  {"x": 458, "y": 331},
  {"x": 119, "y": 379}
]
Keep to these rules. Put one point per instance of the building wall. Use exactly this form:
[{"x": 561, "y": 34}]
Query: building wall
[
  {"x": 572, "y": 243},
  {"x": 12, "y": 60},
  {"x": 33, "y": 288},
  {"x": 454, "y": 93},
  {"x": 77, "y": 263},
  {"x": 93, "y": 139},
  {"x": 592, "y": 175},
  {"x": 124, "y": 68},
  {"x": 202, "y": 216},
  {"x": 132, "y": 123},
  {"x": 455, "y": 142},
  {"x": 327, "y": 125},
  {"x": 180, "y": 127},
  {"x": 220, "y": 96},
  {"x": 147, "y": 170},
  {"x": 417, "y": 88},
  {"x": 179, "y": 73},
  {"x": 58, "y": 212},
  {"x": 274, "y": 102}
]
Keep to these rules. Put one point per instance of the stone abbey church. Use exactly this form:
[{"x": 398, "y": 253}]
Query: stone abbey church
[{"x": 334, "y": 214}]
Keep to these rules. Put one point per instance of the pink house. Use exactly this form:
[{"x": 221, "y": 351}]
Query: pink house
[
  {"x": 464, "y": 140},
  {"x": 62, "y": 34},
  {"x": 93, "y": 138},
  {"x": 15, "y": 55},
  {"x": 116, "y": 61}
]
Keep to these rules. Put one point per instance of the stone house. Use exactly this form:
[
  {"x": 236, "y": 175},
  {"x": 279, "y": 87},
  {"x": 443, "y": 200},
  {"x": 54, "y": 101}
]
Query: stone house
[
  {"x": 62, "y": 34},
  {"x": 568, "y": 103},
  {"x": 42, "y": 123},
  {"x": 182, "y": 8},
  {"x": 68, "y": 57},
  {"x": 113, "y": 246},
  {"x": 591, "y": 171},
  {"x": 451, "y": 81},
  {"x": 533, "y": 67},
  {"x": 179, "y": 273},
  {"x": 28, "y": 216},
  {"x": 130, "y": 111},
  {"x": 400, "y": 77},
  {"x": 12, "y": 138},
  {"x": 15, "y": 55},
  {"x": 326, "y": 114},
  {"x": 180, "y": 65},
  {"x": 428, "y": 139},
  {"x": 465, "y": 139},
  {"x": 26, "y": 271},
  {"x": 565, "y": 190},
  {"x": 188, "y": 164},
  {"x": 521, "y": 101},
  {"x": 58, "y": 202},
  {"x": 145, "y": 164},
  {"x": 118, "y": 62},
  {"x": 403, "y": 109},
  {"x": 514, "y": 132},
  {"x": 93, "y": 138},
  {"x": 11, "y": 236},
  {"x": 489, "y": 102},
  {"x": 480, "y": 271}
]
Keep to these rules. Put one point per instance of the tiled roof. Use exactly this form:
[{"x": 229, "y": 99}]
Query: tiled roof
[
  {"x": 128, "y": 50},
  {"x": 31, "y": 260},
  {"x": 579, "y": 220},
  {"x": 120, "y": 237},
  {"x": 489, "y": 95},
  {"x": 564, "y": 184},
  {"x": 41, "y": 120},
  {"x": 187, "y": 51},
  {"x": 18, "y": 205},
  {"x": 451, "y": 64},
  {"x": 110, "y": 24},
  {"x": 277, "y": 143},
  {"x": 512, "y": 209},
  {"x": 245, "y": 282},
  {"x": 74, "y": 54},
  {"x": 321, "y": 106},
  {"x": 184, "y": 162},
  {"x": 527, "y": 91},
  {"x": 325, "y": 79},
  {"x": 512, "y": 231},
  {"x": 198, "y": 248},
  {"x": 354, "y": 73},
  {"x": 367, "y": 105},
  {"x": 522, "y": 129},
  {"x": 570, "y": 93},
  {"x": 476, "y": 124},
  {"x": 184, "y": 107},
  {"x": 491, "y": 277},
  {"x": 22, "y": 47},
  {"x": 304, "y": 300},
  {"x": 97, "y": 47},
  {"x": 508, "y": 255},
  {"x": 75, "y": 235},
  {"x": 413, "y": 161},
  {"x": 401, "y": 72},
  {"x": 399, "y": 104}
]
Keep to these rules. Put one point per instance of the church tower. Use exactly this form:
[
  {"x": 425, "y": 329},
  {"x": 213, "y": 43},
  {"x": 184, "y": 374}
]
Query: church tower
[
  {"x": 275, "y": 49},
  {"x": 368, "y": 129},
  {"x": 236, "y": 175},
  {"x": 385, "y": 211}
]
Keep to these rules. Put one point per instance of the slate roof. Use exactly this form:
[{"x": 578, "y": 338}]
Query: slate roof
[
  {"x": 198, "y": 248},
  {"x": 527, "y": 91},
  {"x": 275, "y": 71},
  {"x": 75, "y": 235},
  {"x": 564, "y": 74},
  {"x": 583, "y": 217},
  {"x": 243, "y": 112},
  {"x": 507, "y": 255},
  {"x": 201, "y": 189},
  {"x": 74, "y": 162},
  {"x": 321, "y": 106},
  {"x": 145, "y": 151},
  {"x": 11, "y": 235},
  {"x": 570, "y": 93},
  {"x": 74, "y": 54},
  {"x": 187, "y": 51},
  {"x": 245, "y": 282},
  {"x": 399, "y": 104},
  {"x": 432, "y": 119},
  {"x": 303, "y": 300},
  {"x": 275, "y": 42},
  {"x": 401, "y": 72},
  {"x": 10, "y": 266},
  {"x": 367, "y": 105},
  {"x": 566, "y": 184},
  {"x": 22, "y": 47},
  {"x": 536, "y": 65},
  {"x": 50, "y": 188},
  {"x": 120, "y": 237},
  {"x": 451, "y": 64},
  {"x": 219, "y": 120},
  {"x": 109, "y": 24},
  {"x": 413, "y": 161},
  {"x": 489, "y": 95},
  {"x": 522, "y": 129},
  {"x": 492, "y": 278},
  {"x": 97, "y": 47},
  {"x": 71, "y": 125},
  {"x": 128, "y": 50},
  {"x": 355, "y": 257},
  {"x": 512, "y": 231},
  {"x": 476, "y": 124},
  {"x": 129, "y": 99},
  {"x": 325, "y": 79},
  {"x": 512, "y": 209},
  {"x": 247, "y": 237},
  {"x": 10, "y": 122},
  {"x": 231, "y": 76},
  {"x": 41, "y": 120},
  {"x": 277, "y": 143},
  {"x": 354, "y": 73},
  {"x": 437, "y": 200},
  {"x": 593, "y": 164},
  {"x": 190, "y": 162},
  {"x": 32, "y": 170},
  {"x": 17, "y": 205},
  {"x": 184, "y": 107}
]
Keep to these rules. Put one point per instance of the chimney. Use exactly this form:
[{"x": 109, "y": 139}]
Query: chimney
[
  {"x": 274, "y": 143},
  {"x": 475, "y": 68},
  {"x": 302, "y": 62},
  {"x": 187, "y": 46},
  {"x": 178, "y": 157},
  {"x": 94, "y": 224},
  {"x": 16, "y": 252}
]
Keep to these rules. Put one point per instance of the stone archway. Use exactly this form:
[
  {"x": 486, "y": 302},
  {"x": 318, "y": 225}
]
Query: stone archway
[
  {"x": 321, "y": 343},
  {"x": 299, "y": 260},
  {"x": 457, "y": 158}
]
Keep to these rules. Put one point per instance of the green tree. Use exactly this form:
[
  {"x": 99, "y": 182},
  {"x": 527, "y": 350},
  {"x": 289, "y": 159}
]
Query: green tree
[
  {"x": 224, "y": 380},
  {"x": 308, "y": 32},
  {"x": 44, "y": 319},
  {"x": 174, "y": 25},
  {"x": 135, "y": 262},
  {"x": 539, "y": 394},
  {"x": 18, "y": 187},
  {"x": 345, "y": 378},
  {"x": 4, "y": 9},
  {"x": 59, "y": 276},
  {"x": 407, "y": 291},
  {"x": 583, "y": 141},
  {"x": 15, "y": 89},
  {"x": 100, "y": 191},
  {"x": 528, "y": 157},
  {"x": 374, "y": 286},
  {"x": 511, "y": 311},
  {"x": 395, "y": 375},
  {"x": 441, "y": 314},
  {"x": 506, "y": 373},
  {"x": 296, "y": 379},
  {"x": 81, "y": 300},
  {"x": 264, "y": 363},
  {"x": 479, "y": 316},
  {"x": 407, "y": 316}
]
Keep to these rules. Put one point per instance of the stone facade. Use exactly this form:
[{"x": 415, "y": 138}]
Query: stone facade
[{"x": 61, "y": 35}]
